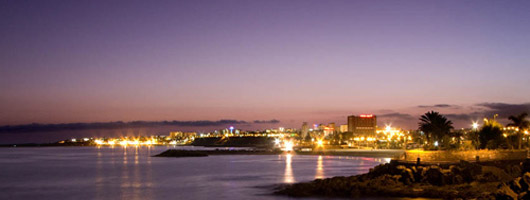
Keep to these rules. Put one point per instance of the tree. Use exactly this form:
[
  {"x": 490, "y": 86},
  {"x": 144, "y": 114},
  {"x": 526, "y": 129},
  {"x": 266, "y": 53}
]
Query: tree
[
  {"x": 435, "y": 126},
  {"x": 521, "y": 123},
  {"x": 490, "y": 135}
]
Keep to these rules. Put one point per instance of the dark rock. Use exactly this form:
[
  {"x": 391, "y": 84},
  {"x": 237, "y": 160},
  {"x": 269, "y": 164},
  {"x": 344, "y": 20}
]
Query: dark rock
[
  {"x": 181, "y": 153},
  {"x": 434, "y": 176},
  {"x": 494, "y": 174},
  {"x": 505, "y": 193},
  {"x": 407, "y": 177},
  {"x": 417, "y": 171},
  {"x": 515, "y": 185},
  {"x": 524, "y": 195},
  {"x": 455, "y": 170},
  {"x": 379, "y": 170},
  {"x": 397, "y": 170},
  {"x": 514, "y": 170},
  {"x": 525, "y": 181},
  {"x": 469, "y": 171},
  {"x": 525, "y": 166},
  {"x": 457, "y": 179}
]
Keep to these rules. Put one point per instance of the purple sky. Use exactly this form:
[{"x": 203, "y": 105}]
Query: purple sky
[{"x": 315, "y": 61}]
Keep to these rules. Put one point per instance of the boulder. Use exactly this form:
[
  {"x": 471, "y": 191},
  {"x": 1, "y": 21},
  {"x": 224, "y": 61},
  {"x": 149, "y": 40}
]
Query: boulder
[
  {"x": 457, "y": 179},
  {"x": 524, "y": 195},
  {"x": 397, "y": 170},
  {"x": 417, "y": 172},
  {"x": 525, "y": 181},
  {"x": 407, "y": 177},
  {"x": 379, "y": 170},
  {"x": 515, "y": 185},
  {"x": 505, "y": 193},
  {"x": 514, "y": 170},
  {"x": 455, "y": 170},
  {"x": 494, "y": 174},
  {"x": 469, "y": 171},
  {"x": 434, "y": 176}
]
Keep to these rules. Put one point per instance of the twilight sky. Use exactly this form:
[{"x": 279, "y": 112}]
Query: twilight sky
[{"x": 315, "y": 61}]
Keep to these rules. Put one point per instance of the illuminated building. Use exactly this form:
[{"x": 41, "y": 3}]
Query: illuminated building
[
  {"x": 181, "y": 135},
  {"x": 305, "y": 130},
  {"x": 362, "y": 124},
  {"x": 329, "y": 129},
  {"x": 175, "y": 134},
  {"x": 343, "y": 128}
]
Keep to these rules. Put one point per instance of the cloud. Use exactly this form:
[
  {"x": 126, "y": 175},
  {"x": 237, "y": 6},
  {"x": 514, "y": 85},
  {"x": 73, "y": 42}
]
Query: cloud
[
  {"x": 119, "y": 124},
  {"x": 397, "y": 119},
  {"x": 504, "y": 109},
  {"x": 438, "y": 106},
  {"x": 482, "y": 110},
  {"x": 465, "y": 116},
  {"x": 272, "y": 121},
  {"x": 402, "y": 116}
]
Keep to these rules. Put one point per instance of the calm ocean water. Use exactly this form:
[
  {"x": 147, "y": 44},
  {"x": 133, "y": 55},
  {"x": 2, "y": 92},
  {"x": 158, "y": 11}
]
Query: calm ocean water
[{"x": 131, "y": 173}]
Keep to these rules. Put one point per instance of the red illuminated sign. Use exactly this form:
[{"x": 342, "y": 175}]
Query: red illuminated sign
[{"x": 366, "y": 116}]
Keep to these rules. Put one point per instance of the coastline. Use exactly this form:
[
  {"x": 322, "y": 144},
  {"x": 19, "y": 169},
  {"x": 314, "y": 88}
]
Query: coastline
[
  {"x": 501, "y": 179},
  {"x": 338, "y": 152}
]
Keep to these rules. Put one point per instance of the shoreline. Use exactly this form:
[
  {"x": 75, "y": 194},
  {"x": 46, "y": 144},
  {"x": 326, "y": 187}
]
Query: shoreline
[
  {"x": 359, "y": 153},
  {"x": 500, "y": 179}
]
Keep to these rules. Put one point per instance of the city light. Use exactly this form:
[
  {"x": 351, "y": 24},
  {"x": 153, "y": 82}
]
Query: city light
[
  {"x": 366, "y": 116},
  {"x": 288, "y": 146},
  {"x": 320, "y": 143},
  {"x": 475, "y": 125},
  {"x": 277, "y": 141}
]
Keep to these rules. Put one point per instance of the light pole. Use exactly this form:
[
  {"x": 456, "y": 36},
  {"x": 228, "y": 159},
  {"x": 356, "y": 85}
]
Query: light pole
[{"x": 475, "y": 133}]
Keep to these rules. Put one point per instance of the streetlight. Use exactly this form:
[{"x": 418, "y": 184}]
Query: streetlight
[
  {"x": 475, "y": 125},
  {"x": 475, "y": 136}
]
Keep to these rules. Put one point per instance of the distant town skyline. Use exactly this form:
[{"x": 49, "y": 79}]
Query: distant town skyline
[{"x": 294, "y": 61}]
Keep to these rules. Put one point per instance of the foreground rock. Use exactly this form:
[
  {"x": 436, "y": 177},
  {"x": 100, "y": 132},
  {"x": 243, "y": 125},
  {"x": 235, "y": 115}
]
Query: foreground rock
[
  {"x": 518, "y": 188},
  {"x": 457, "y": 181}
]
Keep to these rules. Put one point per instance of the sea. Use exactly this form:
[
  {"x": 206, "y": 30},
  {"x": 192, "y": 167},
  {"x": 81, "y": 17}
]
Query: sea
[{"x": 133, "y": 173}]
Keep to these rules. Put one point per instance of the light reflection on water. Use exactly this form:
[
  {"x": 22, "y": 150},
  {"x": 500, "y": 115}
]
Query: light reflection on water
[
  {"x": 131, "y": 173},
  {"x": 288, "y": 177},
  {"x": 320, "y": 168}
]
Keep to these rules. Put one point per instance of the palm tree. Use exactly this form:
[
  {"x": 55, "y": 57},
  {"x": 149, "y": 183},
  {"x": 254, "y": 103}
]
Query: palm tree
[
  {"x": 490, "y": 136},
  {"x": 521, "y": 123},
  {"x": 435, "y": 126}
]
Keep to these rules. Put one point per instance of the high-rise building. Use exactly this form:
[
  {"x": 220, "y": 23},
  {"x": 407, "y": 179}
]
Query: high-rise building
[
  {"x": 305, "y": 130},
  {"x": 362, "y": 124},
  {"x": 332, "y": 126},
  {"x": 343, "y": 128},
  {"x": 329, "y": 129}
]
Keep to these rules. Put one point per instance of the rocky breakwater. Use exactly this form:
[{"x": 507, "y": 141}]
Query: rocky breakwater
[
  {"x": 463, "y": 180},
  {"x": 182, "y": 153},
  {"x": 518, "y": 188}
]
